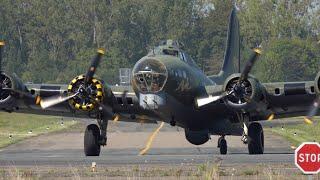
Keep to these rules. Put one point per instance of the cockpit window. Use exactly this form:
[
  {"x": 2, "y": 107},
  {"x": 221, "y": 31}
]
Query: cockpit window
[{"x": 171, "y": 52}]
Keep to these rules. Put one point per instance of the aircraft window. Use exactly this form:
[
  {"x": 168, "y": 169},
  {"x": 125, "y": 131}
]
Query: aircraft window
[
  {"x": 150, "y": 76},
  {"x": 119, "y": 100},
  {"x": 180, "y": 73},
  {"x": 171, "y": 52},
  {"x": 130, "y": 101},
  {"x": 312, "y": 89},
  {"x": 182, "y": 56},
  {"x": 150, "y": 82}
]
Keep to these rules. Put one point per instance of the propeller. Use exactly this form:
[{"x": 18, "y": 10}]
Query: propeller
[
  {"x": 313, "y": 111},
  {"x": 2, "y": 43},
  {"x": 54, "y": 100},
  {"x": 83, "y": 89},
  {"x": 240, "y": 86},
  {"x": 93, "y": 67},
  {"x": 249, "y": 65},
  {"x": 203, "y": 101}
]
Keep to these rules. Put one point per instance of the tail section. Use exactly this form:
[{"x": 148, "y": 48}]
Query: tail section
[{"x": 231, "y": 63}]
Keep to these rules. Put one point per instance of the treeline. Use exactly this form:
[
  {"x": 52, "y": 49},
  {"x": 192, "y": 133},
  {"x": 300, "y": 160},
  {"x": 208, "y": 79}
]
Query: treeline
[{"x": 52, "y": 41}]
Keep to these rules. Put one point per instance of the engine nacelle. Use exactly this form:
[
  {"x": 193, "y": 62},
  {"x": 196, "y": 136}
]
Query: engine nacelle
[
  {"x": 246, "y": 95},
  {"x": 317, "y": 84},
  {"x": 7, "y": 84},
  {"x": 88, "y": 96}
]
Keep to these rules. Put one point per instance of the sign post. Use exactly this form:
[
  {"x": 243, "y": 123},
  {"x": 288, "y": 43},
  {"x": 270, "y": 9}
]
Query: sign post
[{"x": 307, "y": 157}]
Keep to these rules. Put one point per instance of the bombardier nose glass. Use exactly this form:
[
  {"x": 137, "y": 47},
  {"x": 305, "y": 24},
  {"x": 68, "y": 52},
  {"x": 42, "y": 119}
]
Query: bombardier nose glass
[{"x": 150, "y": 76}]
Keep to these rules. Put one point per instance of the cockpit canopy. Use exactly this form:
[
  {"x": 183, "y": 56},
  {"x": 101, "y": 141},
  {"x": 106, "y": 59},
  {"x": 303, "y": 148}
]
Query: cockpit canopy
[{"x": 173, "y": 48}]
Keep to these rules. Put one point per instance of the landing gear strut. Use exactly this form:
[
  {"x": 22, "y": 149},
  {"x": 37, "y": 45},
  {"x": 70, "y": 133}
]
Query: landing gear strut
[
  {"x": 95, "y": 137},
  {"x": 222, "y": 144},
  {"x": 252, "y": 134},
  {"x": 103, "y": 123}
]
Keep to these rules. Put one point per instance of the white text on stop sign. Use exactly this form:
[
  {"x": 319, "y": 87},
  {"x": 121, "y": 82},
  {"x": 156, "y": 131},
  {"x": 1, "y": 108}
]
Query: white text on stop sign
[{"x": 309, "y": 157}]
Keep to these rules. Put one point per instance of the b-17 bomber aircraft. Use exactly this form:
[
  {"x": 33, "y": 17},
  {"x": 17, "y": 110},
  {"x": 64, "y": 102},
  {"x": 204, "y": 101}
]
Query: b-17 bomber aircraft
[{"x": 168, "y": 86}]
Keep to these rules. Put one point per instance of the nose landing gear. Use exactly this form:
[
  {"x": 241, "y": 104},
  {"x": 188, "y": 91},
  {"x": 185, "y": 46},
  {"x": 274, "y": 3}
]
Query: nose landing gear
[{"x": 222, "y": 144}]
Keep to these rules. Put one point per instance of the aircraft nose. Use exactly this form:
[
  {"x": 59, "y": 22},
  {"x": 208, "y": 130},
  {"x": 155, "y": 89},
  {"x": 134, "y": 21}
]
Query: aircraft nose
[{"x": 149, "y": 75}]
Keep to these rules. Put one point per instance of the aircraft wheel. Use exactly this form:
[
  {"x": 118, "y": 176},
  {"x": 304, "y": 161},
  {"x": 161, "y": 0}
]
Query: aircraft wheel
[
  {"x": 256, "y": 138},
  {"x": 223, "y": 146},
  {"x": 91, "y": 140}
]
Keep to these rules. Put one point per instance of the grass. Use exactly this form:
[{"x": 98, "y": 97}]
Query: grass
[
  {"x": 19, "y": 126},
  {"x": 297, "y": 134},
  {"x": 202, "y": 171}
]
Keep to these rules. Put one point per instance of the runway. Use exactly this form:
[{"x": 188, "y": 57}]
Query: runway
[{"x": 125, "y": 140}]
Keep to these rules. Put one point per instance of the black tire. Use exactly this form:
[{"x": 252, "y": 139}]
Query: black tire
[
  {"x": 91, "y": 140},
  {"x": 223, "y": 146},
  {"x": 256, "y": 139}
]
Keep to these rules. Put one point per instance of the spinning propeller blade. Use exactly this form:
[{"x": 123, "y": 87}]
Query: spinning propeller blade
[
  {"x": 94, "y": 64},
  {"x": 249, "y": 65},
  {"x": 54, "y": 100},
  {"x": 207, "y": 100},
  {"x": 2, "y": 43}
]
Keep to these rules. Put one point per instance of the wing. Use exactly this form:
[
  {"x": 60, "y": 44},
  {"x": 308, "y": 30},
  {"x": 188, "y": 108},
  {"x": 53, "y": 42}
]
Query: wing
[
  {"x": 264, "y": 100},
  {"x": 288, "y": 99},
  {"x": 27, "y": 100},
  {"x": 85, "y": 97}
]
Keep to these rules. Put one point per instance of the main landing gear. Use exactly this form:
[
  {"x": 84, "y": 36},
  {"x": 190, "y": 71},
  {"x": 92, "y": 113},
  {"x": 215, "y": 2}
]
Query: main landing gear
[
  {"x": 252, "y": 135},
  {"x": 255, "y": 138},
  {"x": 95, "y": 137}
]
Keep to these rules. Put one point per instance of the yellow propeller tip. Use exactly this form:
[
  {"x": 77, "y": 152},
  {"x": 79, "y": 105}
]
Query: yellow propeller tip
[
  {"x": 258, "y": 51},
  {"x": 271, "y": 117},
  {"x": 116, "y": 118},
  {"x": 2, "y": 43},
  {"x": 308, "y": 120},
  {"x": 293, "y": 147},
  {"x": 101, "y": 51},
  {"x": 38, "y": 100}
]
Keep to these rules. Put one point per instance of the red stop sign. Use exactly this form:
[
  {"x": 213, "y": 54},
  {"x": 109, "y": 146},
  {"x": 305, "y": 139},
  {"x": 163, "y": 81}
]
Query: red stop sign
[{"x": 307, "y": 157}]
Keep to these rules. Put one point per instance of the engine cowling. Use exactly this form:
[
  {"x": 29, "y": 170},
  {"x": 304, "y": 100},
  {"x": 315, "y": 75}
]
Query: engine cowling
[
  {"x": 317, "y": 84},
  {"x": 5, "y": 82},
  {"x": 244, "y": 95},
  {"x": 88, "y": 95},
  {"x": 7, "y": 97}
]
